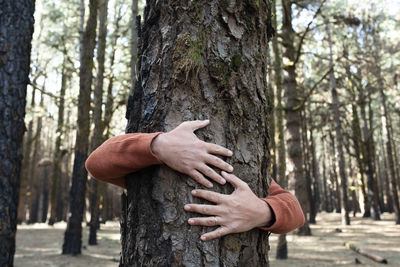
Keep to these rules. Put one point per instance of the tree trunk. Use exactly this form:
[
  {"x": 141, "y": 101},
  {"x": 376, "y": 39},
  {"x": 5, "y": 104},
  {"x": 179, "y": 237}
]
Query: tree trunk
[
  {"x": 73, "y": 234},
  {"x": 335, "y": 183},
  {"x": 97, "y": 117},
  {"x": 316, "y": 200},
  {"x": 16, "y": 28},
  {"x": 326, "y": 192},
  {"x": 389, "y": 150},
  {"x": 297, "y": 179},
  {"x": 56, "y": 179},
  {"x": 201, "y": 61},
  {"x": 339, "y": 138},
  {"x": 34, "y": 176},
  {"x": 22, "y": 204},
  {"x": 282, "y": 249}
]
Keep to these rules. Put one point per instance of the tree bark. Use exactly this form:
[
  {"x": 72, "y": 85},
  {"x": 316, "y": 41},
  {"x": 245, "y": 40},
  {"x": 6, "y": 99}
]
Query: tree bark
[
  {"x": 203, "y": 60},
  {"x": 16, "y": 28},
  {"x": 73, "y": 234}
]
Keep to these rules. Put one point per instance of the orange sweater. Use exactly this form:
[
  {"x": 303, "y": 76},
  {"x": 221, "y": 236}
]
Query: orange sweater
[{"x": 128, "y": 153}]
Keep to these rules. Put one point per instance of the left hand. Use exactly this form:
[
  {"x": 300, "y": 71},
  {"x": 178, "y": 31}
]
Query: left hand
[{"x": 238, "y": 212}]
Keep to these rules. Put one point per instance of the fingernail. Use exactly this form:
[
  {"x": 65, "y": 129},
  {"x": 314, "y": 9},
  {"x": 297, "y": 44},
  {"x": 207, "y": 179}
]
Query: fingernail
[
  {"x": 230, "y": 153},
  {"x": 209, "y": 185},
  {"x": 194, "y": 192},
  {"x": 191, "y": 221},
  {"x": 187, "y": 207},
  {"x": 223, "y": 181},
  {"x": 206, "y": 121},
  {"x": 230, "y": 168},
  {"x": 203, "y": 238},
  {"x": 223, "y": 173}
]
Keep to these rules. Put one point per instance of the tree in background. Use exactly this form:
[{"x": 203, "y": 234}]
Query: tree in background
[
  {"x": 73, "y": 234},
  {"x": 16, "y": 28}
]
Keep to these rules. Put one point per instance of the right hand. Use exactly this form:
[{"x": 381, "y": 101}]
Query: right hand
[{"x": 182, "y": 151}]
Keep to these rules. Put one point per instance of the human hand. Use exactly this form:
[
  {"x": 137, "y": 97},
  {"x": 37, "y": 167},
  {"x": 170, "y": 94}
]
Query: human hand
[
  {"x": 238, "y": 212},
  {"x": 181, "y": 150}
]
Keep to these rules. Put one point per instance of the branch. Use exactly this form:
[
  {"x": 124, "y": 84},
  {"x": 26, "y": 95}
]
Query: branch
[
  {"x": 303, "y": 101},
  {"x": 298, "y": 54}
]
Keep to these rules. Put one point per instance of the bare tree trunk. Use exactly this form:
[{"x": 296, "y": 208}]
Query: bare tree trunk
[
  {"x": 200, "y": 66},
  {"x": 335, "y": 184},
  {"x": 326, "y": 192},
  {"x": 34, "y": 176},
  {"x": 339, "y": 138},
  {"x": 16, "y": 30},
  {"x": 56, "y": 177},
  {"x": 282, "y": 249},
  {"x": 109, "y": 107},
  {"x": 25, "y": 167},
  {"x": 297, "y": 179},
  {"x": 97, "y": 117},
  {"x": 388, "y": 126},
  {"x": 73, "y": 234}
]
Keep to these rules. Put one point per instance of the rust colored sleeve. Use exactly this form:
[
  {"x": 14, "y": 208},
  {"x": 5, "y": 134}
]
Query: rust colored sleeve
[
  {"x": 286, "y": 209},
  {"x": 121, "y": 155}
]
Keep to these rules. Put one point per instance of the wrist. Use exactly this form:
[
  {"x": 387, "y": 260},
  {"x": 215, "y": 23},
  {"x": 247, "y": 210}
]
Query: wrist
[
  {"x": 156, "y": 145},
  {"x": 264, "y": 214}
]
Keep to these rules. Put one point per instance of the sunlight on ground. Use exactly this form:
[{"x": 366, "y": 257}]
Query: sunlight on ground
[
  {"x": 40, "y": 244},
  {"x": 325, "y": 247}
]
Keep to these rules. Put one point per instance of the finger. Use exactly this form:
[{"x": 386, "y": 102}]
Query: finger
[
  {"x": 203, "y": 209},
  {"x": 218, "y": 150},
  {"x": 205, "y": 221},
  {"x": 209, "y": 195},
  {"x": 207, "y": 171},
  {"x": 198, "y": 177},
  {"x": 195, "y": 125},
  {"x": 221, "y": 231},
  {"x": 219, "y": 163},
  {"x": 233, "y": 179}
]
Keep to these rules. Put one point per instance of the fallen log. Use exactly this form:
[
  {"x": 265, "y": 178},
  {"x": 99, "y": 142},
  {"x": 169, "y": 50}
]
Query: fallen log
[{"x": 369, "y": 255}]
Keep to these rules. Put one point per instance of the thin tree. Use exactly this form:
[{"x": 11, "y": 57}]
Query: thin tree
[
  {"x": 282, "y": 249},
  {"x": 339, "y": 138},
  {"x": 73, "y": 234},
  {"x": 97, "y": 118},
  {"x": 293, "y": 117}
]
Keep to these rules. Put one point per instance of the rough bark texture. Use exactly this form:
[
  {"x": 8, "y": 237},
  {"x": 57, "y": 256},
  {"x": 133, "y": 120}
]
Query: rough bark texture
[
  {"x": 198, "y": 60},
  {"x": 73, "y": 234},
  {"x": 297, "y": 179},
  {"x": 16, "y": 28}
]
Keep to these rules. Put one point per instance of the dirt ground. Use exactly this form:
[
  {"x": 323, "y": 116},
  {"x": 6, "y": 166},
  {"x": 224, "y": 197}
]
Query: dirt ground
[
  {"x": 325, "y": 247},
  {"x": 40, "y": 245}
]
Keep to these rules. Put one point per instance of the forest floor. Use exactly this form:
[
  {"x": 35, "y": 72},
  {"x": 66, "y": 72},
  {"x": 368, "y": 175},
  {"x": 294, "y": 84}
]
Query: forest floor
[
  {"x": 325, "y": 246},
  {"x": 40, "y": 245}
]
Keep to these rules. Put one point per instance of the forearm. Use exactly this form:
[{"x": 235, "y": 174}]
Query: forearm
[
  {"x": 120, "y": 156},
  {"x": 285, "y": 209}
]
